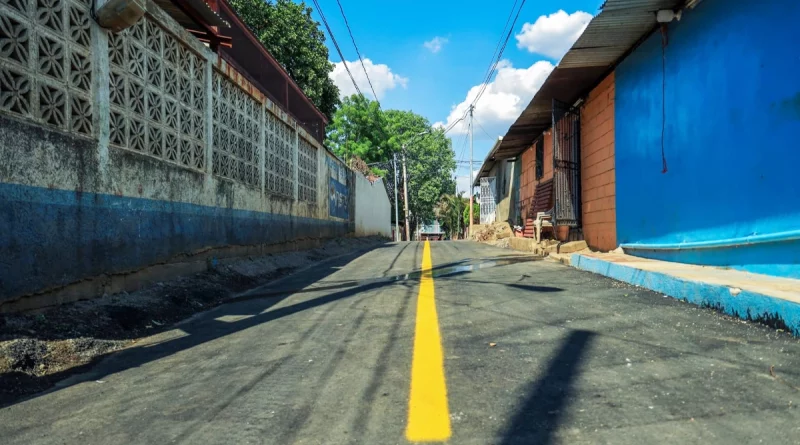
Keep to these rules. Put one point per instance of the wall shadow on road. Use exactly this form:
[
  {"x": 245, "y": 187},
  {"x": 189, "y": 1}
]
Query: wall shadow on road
[
  {"x": 207, "y": 326},
  {"x": 441, "y": 271},
  {"x": 547, "y": 400},
  {"x": 204, "y": 328}
]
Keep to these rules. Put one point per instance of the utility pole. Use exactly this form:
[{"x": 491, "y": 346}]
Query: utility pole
[
  {"x": 458, "y": 205},
  {"x": 405, "y": 194},
  {"x": 396, "y": 205},
  {"x": 471, "y": 179}
]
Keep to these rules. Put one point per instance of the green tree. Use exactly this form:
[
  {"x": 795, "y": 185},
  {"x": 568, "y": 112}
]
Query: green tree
[
  {"x": 476, "y": 213},
  {"x": 430, "y": 164},
  {"x": 296, "y": 41},
  {"x": 449, "y": 212},
  {"x": 359, "y": 127}
]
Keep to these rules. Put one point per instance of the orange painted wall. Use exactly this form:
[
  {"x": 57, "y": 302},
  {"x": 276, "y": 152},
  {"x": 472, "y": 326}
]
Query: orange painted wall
[{"x": 598, "y": 184}]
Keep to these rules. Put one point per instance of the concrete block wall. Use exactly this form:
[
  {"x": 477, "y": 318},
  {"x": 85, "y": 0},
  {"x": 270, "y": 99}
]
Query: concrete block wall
[
  {"x": 504, "y": 174},
  {"x": 122, "y": 152},
  {"x": 373, "y": 208},
  {"x": 597, "y": 167}
]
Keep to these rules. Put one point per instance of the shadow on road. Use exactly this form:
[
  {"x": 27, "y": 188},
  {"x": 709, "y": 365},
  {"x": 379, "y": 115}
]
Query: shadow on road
[
  {"x": 540, "y": 414},
  {"x": 207, "y": 326}
]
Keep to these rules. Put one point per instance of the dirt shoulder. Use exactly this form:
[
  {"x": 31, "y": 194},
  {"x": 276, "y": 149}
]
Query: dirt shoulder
[{"x": 38, "y": 349}]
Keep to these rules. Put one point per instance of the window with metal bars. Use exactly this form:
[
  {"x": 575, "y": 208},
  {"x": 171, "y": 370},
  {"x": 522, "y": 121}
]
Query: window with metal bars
[{"x": 539, "y": 158}]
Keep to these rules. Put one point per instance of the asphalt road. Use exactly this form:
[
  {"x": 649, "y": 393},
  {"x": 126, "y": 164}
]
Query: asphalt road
[{"x": 532, "y": 352}]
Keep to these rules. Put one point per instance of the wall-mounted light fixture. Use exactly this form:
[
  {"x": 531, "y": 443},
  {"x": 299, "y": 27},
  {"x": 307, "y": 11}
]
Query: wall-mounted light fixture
[
  {"x": 117, "y": 15},
  {"x": 668, "y": 15}
]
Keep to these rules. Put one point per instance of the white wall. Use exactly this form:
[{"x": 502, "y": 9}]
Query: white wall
[{"x": 373, "y": 209}]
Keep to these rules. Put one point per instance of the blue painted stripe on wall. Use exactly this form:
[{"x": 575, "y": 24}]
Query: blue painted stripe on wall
[
  {"x": 746, "y": 304},
  {"x": 789, "y": 235},
  {"x": 776, "y": 259},
  {"x": 55, "y": 237}
]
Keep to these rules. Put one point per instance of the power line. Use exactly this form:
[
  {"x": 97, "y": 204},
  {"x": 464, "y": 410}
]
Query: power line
[
  {"x": 463, "y": 149},
  {"x": 344, "y": 61},
  {"x": 461, "y": 158},
  {"x": 496, "y": 56},
  {"x": 499, "y": 40},
  {"x": 481, "y": 127},
  {"x": 353, "y": 39},
  {"x": 450, "y": 127},
  {"x": 336, "y": 45},
  {"x": 502, "y": 49}
]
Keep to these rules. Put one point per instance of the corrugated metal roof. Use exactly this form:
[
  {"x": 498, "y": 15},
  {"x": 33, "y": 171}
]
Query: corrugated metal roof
[
  {"x": 199, "y": 6},
  {"x": 609, "y": 35},
  {"x": 651, "y": 5}
]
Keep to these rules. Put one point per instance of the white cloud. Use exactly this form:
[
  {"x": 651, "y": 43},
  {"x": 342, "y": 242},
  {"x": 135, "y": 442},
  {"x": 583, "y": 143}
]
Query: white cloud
[
  {"x": 435, "y": 44},
  {"x": 382, "y": 77},
  {"x": 554, "y": 34},
  {"x": 503, "y": 100}
]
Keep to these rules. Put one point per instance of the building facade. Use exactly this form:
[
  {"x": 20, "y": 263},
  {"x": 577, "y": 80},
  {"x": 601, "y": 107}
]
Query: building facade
[
  {"x": 685, "y": 142},
  {"x": 124, "y": 156}
]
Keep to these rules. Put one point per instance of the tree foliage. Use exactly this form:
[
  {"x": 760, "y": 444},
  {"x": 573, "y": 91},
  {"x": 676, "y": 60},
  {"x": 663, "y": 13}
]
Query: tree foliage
[
  {"x": 476, "y": 213},
  {"x": 296, "y": 41},
  {"x": 360, "y": 128},
  {"x": 449, "y": 211}
]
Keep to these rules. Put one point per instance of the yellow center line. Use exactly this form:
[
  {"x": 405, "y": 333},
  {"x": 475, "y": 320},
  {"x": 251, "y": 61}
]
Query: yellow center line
[{"x": 428, "y": 414}]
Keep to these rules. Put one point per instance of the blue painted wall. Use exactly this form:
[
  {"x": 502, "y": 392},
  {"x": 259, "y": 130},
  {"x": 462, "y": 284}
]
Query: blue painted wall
[
  {"x": 65, "y": 216},
  {"x": 731, "y": 137},
  {"x": 338, "y": 196},
  {"x": 56, "y": 237}
]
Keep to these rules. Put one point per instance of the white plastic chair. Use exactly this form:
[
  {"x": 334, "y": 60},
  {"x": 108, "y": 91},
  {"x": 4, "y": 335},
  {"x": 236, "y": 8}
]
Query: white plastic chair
[{"x": 543, "y": 219}]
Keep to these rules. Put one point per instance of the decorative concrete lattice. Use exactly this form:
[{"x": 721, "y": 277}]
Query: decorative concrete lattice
[
  {"x": 157, "y": 95},
  {"x": 45, "y": 63},
  {"x": 236, "y": 133},
  {"x": 279, "y": 171},
  {"x": 307, "y": 172}
]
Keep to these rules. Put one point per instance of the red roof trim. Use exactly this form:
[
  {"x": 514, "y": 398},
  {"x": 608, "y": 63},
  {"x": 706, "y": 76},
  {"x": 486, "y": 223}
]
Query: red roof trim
[{"x": 238, "y": 22}]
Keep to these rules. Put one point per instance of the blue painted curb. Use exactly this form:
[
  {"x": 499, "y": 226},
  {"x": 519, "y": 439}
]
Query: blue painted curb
[{"x": 747, "y": 305}]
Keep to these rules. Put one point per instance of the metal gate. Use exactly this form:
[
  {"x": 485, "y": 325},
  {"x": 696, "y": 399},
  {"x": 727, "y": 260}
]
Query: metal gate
[
  {"x": 566, "y": 165},
  {"x": 488, "y": 200}
]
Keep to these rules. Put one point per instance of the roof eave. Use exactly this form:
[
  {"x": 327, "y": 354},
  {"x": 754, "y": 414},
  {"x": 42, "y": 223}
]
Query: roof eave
[
  {"x": 488, "y": 162},
  {"x": 608, "y": 38}
]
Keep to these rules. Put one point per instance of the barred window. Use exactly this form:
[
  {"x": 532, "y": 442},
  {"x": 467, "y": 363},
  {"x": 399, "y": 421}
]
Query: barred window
[{"x": 539, "y": 158}]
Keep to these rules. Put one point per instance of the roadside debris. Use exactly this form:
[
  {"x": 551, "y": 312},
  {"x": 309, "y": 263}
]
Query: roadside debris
[
  {"x": 493, "y": 232},
  {"x": 38, "y": 349},
  {"x": 775, "y": 376},
  {"x": 502, "y": 243}
]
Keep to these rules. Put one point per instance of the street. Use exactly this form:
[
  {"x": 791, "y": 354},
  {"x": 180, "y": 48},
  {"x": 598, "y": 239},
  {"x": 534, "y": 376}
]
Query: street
[{"x": 529, "y": 351}]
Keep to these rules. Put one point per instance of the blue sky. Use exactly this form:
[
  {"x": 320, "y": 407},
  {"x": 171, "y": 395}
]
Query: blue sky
[{"x": 432, "y": 79}]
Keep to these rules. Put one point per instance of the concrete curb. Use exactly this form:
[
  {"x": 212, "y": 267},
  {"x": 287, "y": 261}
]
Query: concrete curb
[
  {"x": 563, "y": 258},
  {"x": 744, "y": 304}
]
